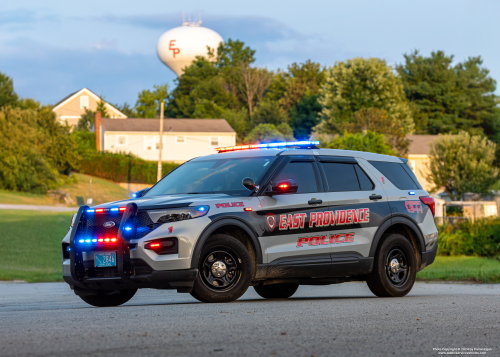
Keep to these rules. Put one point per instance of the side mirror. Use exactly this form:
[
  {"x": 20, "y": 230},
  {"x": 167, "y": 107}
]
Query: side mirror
[
  {"x": 141, "y": 192},
  {"x": 283, "y": 186},
  {"x": 249, "y": 183}
]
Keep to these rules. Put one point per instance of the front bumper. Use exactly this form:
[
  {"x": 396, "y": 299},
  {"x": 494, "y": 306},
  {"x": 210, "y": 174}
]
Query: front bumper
[
  {"x": 182, "y": 280},
  {"x": 129, "y": 272}
]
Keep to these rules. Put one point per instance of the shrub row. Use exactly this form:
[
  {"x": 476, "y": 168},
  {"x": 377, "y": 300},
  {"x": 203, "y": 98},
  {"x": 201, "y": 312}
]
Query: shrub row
[
  {"x": 481, "y": 238},
  {"x": 116, "y": 167}
]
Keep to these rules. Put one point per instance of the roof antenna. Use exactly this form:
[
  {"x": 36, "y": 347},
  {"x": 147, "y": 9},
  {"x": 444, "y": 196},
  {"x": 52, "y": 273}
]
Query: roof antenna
[{"x": 183, "y": 19}]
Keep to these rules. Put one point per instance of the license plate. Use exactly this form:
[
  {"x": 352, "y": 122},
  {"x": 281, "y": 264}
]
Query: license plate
[{"x": 107, "y": 259}]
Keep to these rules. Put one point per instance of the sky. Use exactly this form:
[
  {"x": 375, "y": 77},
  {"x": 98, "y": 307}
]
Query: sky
[{"x": 53, "y": 48}]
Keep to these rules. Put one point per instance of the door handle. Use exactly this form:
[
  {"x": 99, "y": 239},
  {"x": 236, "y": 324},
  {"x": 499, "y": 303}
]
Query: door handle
[
  {"x": 314, "y": 201},
  {"x": 375, "y": 197}
]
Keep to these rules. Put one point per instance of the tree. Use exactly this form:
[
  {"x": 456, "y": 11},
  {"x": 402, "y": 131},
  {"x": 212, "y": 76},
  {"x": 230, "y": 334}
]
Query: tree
[
  {"x": 101, "y": 107},
  {"x": 7, "y": 94},
  {"x": 448, "y": 99},
  {"x": 362, "y": 84},
  {"x": 462, "y": 163},
  {"x": 266, "y": 133},
  {"x": 126, "y": 109},
  {"x": 368, "y": 142},
  {"x": 86, "y": 121},
  {"x": 269, "y": 112},
  {"x": 148, "y": 102},
  {"x": 304, "y": 116},
  {"x": 378, "y": 121},
  {"x": 23, "y": 166},
  {"x": 254, "y": 83}
]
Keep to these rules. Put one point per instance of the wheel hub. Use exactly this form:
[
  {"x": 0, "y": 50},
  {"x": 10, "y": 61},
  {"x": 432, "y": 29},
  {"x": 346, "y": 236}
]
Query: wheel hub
[
  {"x": 219, "y": 269},
  {"x": 394, "y": 265}
]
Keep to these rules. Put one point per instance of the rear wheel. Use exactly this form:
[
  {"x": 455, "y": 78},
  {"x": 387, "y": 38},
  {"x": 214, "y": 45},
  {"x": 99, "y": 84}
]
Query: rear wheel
[
  {"x": 225, "y": 270},
  {"x": 277, "y": 291},
  {"x": 109, "y": 298},
  {"x": 394, "y": 268}
]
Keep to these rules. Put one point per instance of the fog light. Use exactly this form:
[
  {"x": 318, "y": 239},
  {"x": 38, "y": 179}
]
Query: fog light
[{"x": 163, "y": 246}]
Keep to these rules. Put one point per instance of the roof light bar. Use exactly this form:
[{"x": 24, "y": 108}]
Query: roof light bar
[{"x": 304, "y": 144}]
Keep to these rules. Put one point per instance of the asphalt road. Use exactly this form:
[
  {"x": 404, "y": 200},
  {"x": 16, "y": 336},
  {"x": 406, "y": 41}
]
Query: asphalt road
[{"x": 342, "y": 320}]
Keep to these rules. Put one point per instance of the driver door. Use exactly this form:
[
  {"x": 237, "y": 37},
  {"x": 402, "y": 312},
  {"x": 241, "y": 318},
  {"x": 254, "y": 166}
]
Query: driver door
[{"x": 290, "y": 238}]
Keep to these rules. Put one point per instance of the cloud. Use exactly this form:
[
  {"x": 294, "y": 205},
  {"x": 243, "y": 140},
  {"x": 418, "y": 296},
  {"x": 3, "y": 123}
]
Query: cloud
[
  {"x": 48, "y": 73},
  {"x": 18, "y": 19}
]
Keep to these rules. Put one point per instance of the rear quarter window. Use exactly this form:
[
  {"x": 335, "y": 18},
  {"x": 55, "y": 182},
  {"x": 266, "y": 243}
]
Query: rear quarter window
[{"x": 397, "y": 174}]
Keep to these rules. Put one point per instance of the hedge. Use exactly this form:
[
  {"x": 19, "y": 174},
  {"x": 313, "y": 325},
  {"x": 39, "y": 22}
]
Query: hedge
[
  {"x": 480, "y": 238},
  {"x": 115, "y": 167}
]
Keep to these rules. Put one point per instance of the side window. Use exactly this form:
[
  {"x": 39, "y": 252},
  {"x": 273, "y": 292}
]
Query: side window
[
  {"x": 364, "y": 181},
  {"x": 302, "y": 173},
  {"x": 340, "y": 177},
  {"x": 396, "y": 173}
]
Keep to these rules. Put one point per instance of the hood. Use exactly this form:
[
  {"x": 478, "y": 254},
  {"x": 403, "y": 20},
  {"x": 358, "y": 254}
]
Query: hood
[{"x": 167, "y": 201}]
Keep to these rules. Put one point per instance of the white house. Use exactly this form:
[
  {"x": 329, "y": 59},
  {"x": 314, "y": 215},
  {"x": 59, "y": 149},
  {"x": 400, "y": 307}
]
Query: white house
[{"x": 183, "y": 139}]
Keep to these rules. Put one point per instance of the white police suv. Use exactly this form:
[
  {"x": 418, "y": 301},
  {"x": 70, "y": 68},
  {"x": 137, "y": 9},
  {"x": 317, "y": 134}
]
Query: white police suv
[{"x": 273, "y": 216}]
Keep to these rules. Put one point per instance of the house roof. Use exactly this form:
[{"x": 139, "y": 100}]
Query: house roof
[
  {"x": 70, "y": 96},
  {"x": 175, "y": 125},
  {"x": 420, "y": 144}
]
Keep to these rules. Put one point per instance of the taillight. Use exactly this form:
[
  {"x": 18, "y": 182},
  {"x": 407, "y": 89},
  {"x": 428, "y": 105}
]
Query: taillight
[{"x": 429, "y": 201}]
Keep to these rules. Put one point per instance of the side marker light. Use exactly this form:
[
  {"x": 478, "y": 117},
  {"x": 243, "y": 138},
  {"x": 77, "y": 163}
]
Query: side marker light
[{"x": 248, "y": 209}]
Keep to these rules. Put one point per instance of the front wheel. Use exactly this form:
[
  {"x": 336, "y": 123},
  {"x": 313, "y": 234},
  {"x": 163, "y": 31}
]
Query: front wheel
[
  {"x": 276, "y": 291},
  {"x": 225, "y": 270},
  {"x": 109, "y": 298},
  {"x": 394, "y": 268}
]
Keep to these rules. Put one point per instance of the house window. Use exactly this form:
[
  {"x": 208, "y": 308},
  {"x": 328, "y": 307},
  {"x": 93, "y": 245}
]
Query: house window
[
  {"x": 84, "y": 101},
  {"x": 180, "y": 139},
  {"x": 214, "y": 141},
  {"x": 122, "y": 140}
]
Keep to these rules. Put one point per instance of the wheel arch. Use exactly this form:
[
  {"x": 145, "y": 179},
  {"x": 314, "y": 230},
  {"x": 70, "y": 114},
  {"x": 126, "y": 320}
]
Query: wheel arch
[
  {"x": 402, "y": 225},
  {"x": 234, "y": 227}
]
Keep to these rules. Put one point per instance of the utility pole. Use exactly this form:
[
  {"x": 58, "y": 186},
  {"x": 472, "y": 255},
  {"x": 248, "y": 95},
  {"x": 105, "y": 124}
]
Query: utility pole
[{"x": 161, "y": 141}]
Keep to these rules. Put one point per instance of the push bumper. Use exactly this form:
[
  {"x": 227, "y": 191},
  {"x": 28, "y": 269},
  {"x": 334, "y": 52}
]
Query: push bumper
[{"x": 128, "y": 274}]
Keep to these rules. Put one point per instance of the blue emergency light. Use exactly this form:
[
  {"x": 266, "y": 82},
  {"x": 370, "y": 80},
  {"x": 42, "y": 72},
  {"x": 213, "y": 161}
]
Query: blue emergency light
[{"x": 302, "y": 144}]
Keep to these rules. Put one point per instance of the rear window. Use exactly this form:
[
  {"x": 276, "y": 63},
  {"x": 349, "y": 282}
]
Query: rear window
[
  {"x": 345, "y": 177},
  {"x": 397, "y": 174}
]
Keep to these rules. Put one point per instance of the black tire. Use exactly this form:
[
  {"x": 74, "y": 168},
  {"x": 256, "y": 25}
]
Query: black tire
[
  {"x": 394, "y": 280},
  {"x": 234, "y": 275},
  {"x": 109, "y": 298},
  {"x": 276, "y": 291}
]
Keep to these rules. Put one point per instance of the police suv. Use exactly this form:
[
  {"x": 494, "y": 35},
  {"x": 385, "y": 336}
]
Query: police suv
[{"x": 273, "y": 216}]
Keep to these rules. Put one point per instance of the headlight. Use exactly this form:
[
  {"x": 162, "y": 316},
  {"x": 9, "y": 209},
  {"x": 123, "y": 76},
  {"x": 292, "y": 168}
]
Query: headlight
[
  {"x": 73, "y": 220},
  {"x": 177, "y": 214}
]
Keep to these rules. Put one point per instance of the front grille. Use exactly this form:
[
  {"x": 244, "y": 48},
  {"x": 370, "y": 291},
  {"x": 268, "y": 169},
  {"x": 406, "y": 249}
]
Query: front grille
[{"x": 95, "y": 225}]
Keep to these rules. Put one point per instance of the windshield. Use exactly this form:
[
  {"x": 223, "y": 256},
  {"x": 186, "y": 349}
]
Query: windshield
[{"x": 212, "y": 176}]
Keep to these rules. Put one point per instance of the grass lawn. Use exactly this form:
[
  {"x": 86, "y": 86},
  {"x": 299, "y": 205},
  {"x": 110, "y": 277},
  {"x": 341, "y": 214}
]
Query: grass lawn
[
  {"x": 102, "y": 191},
  {"x": 31, "y": 244},
  {"x": 463, "y": 268}
]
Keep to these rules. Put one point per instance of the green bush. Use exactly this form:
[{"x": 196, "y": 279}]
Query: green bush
[
  {"x": 115, "y": 167},
  {"x": 480, "y": 238}
]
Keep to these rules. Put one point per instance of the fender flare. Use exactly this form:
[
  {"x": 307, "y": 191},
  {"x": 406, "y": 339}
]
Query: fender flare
[
  {"x": 398, "y": 219},
  {"x": 225, "y": 221}
]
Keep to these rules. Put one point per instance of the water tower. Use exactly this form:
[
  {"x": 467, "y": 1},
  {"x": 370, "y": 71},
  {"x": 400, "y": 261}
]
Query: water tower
[{"x": 178, "y": 47}]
